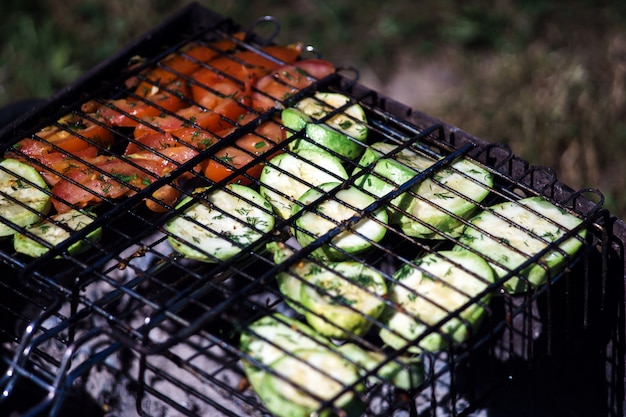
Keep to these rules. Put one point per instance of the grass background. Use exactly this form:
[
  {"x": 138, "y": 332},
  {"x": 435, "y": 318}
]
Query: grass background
[{"x": 545, "y": 79}]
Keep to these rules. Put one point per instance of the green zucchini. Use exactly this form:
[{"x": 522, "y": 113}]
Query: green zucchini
[
  {"x": 22, "y": 183},
  {"x": 509, "y": 233},
  {"x": 329, "y": 213},
  {"x": 342, "y": 300},
  {"x": 425, "y": 211},
  {"x": 343, "y": 133},
  {"x": 337, "y": 299},
  {"x": 289, "y": 358},
  {"x": 55, "y": 231},
  {"x": 431, "y": 290},
  {"x": 220, "y": 224},
  {"x": 403, "y": 372},
  {"x": 289, "y": 175}
]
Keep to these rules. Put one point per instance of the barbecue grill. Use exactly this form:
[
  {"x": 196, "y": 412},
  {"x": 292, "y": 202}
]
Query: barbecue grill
[{"x": 132, "y": 327}]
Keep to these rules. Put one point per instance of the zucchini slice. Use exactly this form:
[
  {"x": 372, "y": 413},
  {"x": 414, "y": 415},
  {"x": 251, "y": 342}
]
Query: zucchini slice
[
  {"x": 21, "y": 182},
  {"x": 342, "y": 300},
  {"x": 337, "y": 299},
  {"x": 342, "y": 133},
  {"x": 509, "y": 233},
  {"x": 328, "y": 214},
  {"x": 304, "y": 381},
  {"x": 289, "y": 175},
  {"x": 403, "y": 372},
  {"x": 56, "y": 230},
  {"x": 221, "y": 224},
  {"x": 288, "y": 354},
  {"x": 431, "y": 290},
  {"x": 428, "y": 211},
  {"x": 290, "y": 281}
]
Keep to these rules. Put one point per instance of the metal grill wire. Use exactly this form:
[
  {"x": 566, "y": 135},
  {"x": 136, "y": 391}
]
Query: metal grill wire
[{"x": 131, "y": 293}]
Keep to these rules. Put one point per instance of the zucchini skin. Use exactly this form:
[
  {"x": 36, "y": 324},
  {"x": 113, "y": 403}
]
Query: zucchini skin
[
  {"x": 428, "y": 210},
  {"x": 225, "y": 223},
  {"x": 522, "y": 235},
  {"x": 36, "y": 198},
  {"x": 436, "y": 287}
]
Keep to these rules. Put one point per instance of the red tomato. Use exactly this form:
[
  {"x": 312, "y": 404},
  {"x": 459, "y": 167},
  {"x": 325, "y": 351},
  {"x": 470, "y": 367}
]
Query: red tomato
[
  {"x": 287, "y": 80},
  {"x": 112, "y": 179},
  {"x": 187, "y": 117},
  {"x": 184, "y": 62},
  {"x": 117, "y": 112},
  {"x": 77, "y": 133},
  {"x": 229, "y": 160}
]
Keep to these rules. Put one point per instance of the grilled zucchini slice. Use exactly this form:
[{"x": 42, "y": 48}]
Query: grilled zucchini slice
[
  {"x": 431, "y": 210},
  {"x": 287, "y": 355},
  {"x": 342, "y": 300},
  {"x": 289, "y": 175},
  {"x": 55, "y": 231},
  {"x": 301, "y": 384},
  {"x": 220, "y": 224},
  {"x": 429, "y": 293},
  {"x": 23, "y": 195},
  {"x": 343, "y": 132},
  {"x": 508, "y": 234},
  {"x": 403, "y": 372},
  {"x": 319, "y": 219},
  {"x": 337, "y": 299}
]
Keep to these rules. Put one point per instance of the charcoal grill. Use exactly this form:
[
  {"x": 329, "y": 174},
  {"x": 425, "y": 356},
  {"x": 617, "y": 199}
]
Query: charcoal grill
[{"x": 131, "y": 327}]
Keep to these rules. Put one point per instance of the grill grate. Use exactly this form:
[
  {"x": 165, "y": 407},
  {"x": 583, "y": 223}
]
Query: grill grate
[{"x": 131, "y": 326}]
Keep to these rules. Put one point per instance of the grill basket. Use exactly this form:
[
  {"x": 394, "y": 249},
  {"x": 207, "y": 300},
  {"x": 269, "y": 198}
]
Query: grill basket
[{"x": 131, "y": 326}]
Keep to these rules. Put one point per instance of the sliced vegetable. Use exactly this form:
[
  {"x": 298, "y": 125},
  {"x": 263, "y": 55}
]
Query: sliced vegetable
[
  {"x": 55, "y": 231},
  {"x": 220, "y": 224},
  {"x": 510, "y": 233},
  {"x": 22, "y": 195},
  {"x": 342, "y": 300},
  {"x": 431, "y": 210},
  {"x": 435, "y": 288},
  {"x": 289, "y": 175},
  {"x": 402, "y": 372},
  {"x": 304, "y": 381},
  {"x": 319, "y": 219},
  {"x": 305, "y": 368},
  {"x": 342, "y": 132}
]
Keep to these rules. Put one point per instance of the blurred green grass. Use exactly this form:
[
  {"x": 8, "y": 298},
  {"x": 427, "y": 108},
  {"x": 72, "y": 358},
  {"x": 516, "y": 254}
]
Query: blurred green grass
[{"x": 547, "y": 80}]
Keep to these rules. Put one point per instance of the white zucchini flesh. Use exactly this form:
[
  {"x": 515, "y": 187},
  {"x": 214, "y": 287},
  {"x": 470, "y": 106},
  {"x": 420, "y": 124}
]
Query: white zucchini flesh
[
  {"x": 509, "y": 233},
  {"x": 307, "y": 379},
  {"x": 343, "y": 132},
  {"x": 289, "y": 175},
  {"x": 455, "y": 189},
  {"x": 405, "y": 373},
  {"x": 340, "y": 301},
  {"x": 221, "y": 224},
  {"x": 327, "y": 215},
  {"x": 429, "y": 291},
  {"x": 14, "y": 185},
  {"x": 55, "y": 231}
]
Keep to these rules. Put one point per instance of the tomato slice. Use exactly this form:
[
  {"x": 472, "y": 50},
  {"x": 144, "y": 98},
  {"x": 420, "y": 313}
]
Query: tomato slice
[
  {"x": 124, "y": 112},
  {"x": 184, "y": 62},
  {"x": 113, "y": 179},
  {"x": 76, "y": 133},
  {"x": 228, "y": 161},
  {"x": 193, "y": 116},
  {"x": 287, "y": 80}
]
